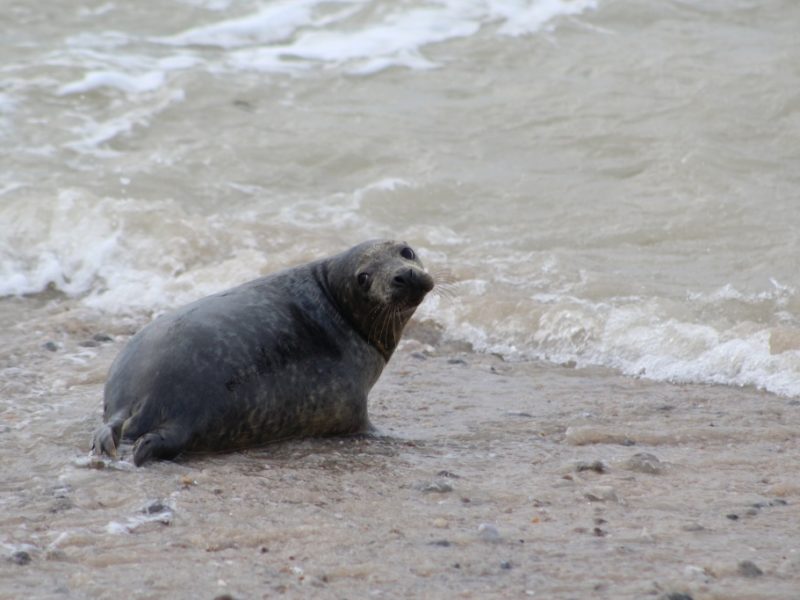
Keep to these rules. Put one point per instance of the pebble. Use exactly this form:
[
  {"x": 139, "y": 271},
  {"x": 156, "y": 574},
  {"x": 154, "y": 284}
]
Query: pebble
[
  {"x": 505, "y": 565},
  {"x": 602, "y": 493},
  {"x": 436, "y": 487},
  {"x": 675, "y": 596},
  {"x": 644, "y": 462},
  {"x": 442, "y": 543},
  {"x": 456, "y": 361},
  {"x": 448, "y": 474},
  {"x": 155, "y": 507},
  {"x": 440, "y": 523},
  {"x": 732, "y": 516},
  {"x": 51, "y": 346},
  {"x": 20, "y": 557},
  {"x": 102, "y": 338},
  {"x": 597, "y": 466},
  {"x": 88, "y": 344},
  {"x": 747, "y": 568},
  {"x": 488, "y": 533}
]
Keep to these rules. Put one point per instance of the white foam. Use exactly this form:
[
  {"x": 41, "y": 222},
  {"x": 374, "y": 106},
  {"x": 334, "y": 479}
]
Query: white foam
[
  {"x": 637, "y": 337},
  {"x": 130, "y": 84},
  {"x": 292, "y": 36},
  {"x": 274, "y": 23}
]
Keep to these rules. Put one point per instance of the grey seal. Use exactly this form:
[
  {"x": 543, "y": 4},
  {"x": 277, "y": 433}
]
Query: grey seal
[{"x": 291, "y": 354}]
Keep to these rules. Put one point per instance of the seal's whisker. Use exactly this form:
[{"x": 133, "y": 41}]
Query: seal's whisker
[
  {"x": 442, "y": 276},
  {"x": 445, "y": 291}
]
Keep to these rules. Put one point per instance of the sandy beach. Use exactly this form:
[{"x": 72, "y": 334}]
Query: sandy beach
[{"x": 493, "y": 480}]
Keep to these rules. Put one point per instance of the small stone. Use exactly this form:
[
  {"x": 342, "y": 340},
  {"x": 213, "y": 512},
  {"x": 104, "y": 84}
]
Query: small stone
[
  {"x": 50, "y": 346},
  {"x": 519, "y": 413},
  {"x": 155, "y": 507},
  {"x": 435, "y": 487},
  {"x": 644, "y": 462},
  {"x": 20, "y": 557},
  {"x": 732, "y": 516},
  {"x": 597, "y": 466},
  {"x": 506, "y": 565},
  {"x": 448, "y": 474},
  {"x": 675, "y": 596},
  {"x": 748, "y": 568},
  {"x": 419, "y": 356},
  {"x": 456, "y": 361},
  {"x": 442, "y": 543},
  {"x": 102, "y": 338},
  {"x": 488, "y": 532},
  {"x": 88, "y": 344},
  {"x": 440, "y": 523},
  {"x": 602, "y": 493}
]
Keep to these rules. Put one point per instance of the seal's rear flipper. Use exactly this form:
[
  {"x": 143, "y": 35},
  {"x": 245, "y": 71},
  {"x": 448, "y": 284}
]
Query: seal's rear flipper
[
  {"x": 166, "y": 442},
  {"x": 105, "y": 441}
]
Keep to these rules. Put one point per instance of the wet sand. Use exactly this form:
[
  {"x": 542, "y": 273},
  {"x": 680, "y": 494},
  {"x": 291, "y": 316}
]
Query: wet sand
[{"x": 493, "y": 480}]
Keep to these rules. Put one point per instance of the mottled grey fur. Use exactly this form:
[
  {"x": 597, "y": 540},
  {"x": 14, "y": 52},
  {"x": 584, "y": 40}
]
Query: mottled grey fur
[{"x": 291, "y": 354}]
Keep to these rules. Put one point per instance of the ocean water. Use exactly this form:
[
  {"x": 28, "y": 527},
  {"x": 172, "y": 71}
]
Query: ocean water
[{"x": 606, "y": 183}]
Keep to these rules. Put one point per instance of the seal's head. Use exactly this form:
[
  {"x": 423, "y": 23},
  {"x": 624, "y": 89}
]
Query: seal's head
[{"x": 378, "y": 285}]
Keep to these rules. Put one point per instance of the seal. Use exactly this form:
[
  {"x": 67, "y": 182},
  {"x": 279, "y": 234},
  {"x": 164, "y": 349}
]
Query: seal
[{"x": 292, "y": 354}]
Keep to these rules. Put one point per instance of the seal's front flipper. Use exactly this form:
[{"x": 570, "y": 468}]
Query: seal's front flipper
[
  {"x": 163, "y": 443},
  {"x": 106, "y": 438}
]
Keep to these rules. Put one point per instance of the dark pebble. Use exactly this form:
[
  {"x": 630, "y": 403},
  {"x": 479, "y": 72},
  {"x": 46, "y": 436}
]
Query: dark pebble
[
  {"x": 449, "y": 474},
  {"x": 747, "y": 568},
  {"x": 779, "y": 502},
  {"x": 102, "y": 338},
  {"x": 457, "y": 566},
  {"x": 442, "y": 543},
  {"x": 155, "y": 507},
  {"x": 519, "y": 413},
  {"x": 599, "y": 532},
  {"x": 628, "y": 442},
  {"x": 505, "y": 565},
  {"x": 224, "y": 597},
  {"x": 51, "y": 346},
  {"x": 419, "y": 356},
  {"x": 456, "y": 361},
  {"x": 732, "y": 517},
  {"x": 88, "y": 344},
  {"x": 675, "y": 596},
  {"x": 20, "y": 557},
  {"x": 597, "y": 466}
]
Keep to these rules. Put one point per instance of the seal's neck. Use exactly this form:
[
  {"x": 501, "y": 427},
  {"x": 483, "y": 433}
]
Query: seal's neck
[{"x": 380, "y": 326}]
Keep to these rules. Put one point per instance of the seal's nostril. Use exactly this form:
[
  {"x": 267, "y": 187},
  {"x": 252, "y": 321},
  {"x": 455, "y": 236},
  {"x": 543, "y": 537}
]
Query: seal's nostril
[{"x": 404, "y": 278}]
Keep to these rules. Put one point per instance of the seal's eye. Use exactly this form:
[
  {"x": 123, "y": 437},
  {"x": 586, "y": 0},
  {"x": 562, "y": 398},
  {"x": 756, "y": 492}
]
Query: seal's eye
[
  {"x": 363, "y": 279},
  {"x": 408, "y": 253}
]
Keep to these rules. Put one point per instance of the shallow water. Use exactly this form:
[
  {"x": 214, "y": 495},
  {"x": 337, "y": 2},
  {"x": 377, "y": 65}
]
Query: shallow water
[{"x": 605, "y": 184}]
